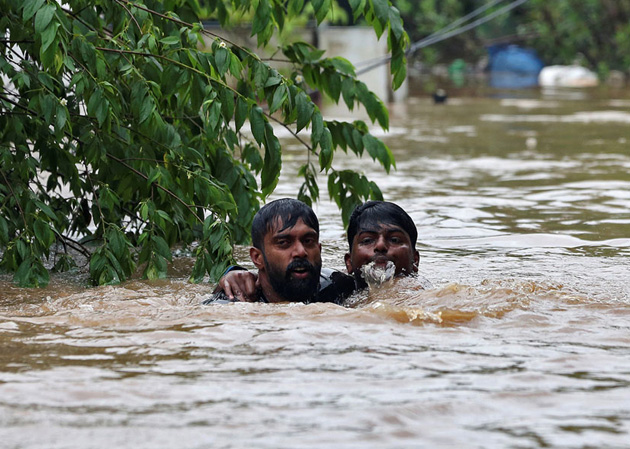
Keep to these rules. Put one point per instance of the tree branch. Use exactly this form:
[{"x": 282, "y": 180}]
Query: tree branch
[
  {"x": 293, "y": 133},
  {"x": 181, "y": 22},
  {"x": 130, "y": 15}
]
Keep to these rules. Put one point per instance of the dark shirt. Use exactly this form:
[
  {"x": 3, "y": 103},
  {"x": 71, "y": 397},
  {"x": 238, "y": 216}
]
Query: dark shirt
[{"x": 334, "y": 286}]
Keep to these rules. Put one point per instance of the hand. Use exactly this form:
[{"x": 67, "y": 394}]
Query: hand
[{"x": 240, "y": 284}]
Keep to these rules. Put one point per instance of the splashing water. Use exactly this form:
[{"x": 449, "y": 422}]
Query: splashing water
[{"x": 377, "y": 275}]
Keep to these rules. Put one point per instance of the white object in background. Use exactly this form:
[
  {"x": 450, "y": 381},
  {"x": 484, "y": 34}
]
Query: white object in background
[{"x": 567, "y": 76}]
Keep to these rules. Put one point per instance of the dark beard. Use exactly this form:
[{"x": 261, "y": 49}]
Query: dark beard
[{"x": 291, "y": 289}]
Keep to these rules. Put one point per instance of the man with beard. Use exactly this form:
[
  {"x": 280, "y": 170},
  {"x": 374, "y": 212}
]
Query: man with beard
[
  {"x": 380, "y": 235},
  {"x": 287, "y": 253}
]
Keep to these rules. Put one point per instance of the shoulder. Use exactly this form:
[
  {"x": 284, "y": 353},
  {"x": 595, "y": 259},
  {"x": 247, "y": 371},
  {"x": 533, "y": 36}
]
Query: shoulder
[
  {"x": 334, "y": 286},
  {"x": 217, "y": 298},
  {"x": 221, "y": 298}
]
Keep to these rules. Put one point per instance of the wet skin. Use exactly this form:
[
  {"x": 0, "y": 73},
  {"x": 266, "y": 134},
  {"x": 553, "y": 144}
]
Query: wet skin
[
  {"x": 282, "y": 258},
  {"x": 380, "y": 245}
]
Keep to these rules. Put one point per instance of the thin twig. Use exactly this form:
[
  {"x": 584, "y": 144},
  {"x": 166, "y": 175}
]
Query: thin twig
[
  {"x": 293, "y": 133},
  {"x": 180, "y": 22},
  {"x": 164, "y": 189},
  {"x": 9, "y": 41},
  {"x": 74, "y": 244},
  {"x": 130, "y": 14}
]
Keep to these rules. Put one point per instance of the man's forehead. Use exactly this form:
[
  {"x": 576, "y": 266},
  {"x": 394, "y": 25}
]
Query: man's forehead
[
  {"x": 380, "y": 227},
  {"x": 277, "y": 227},
  {"x": 377, "y": 228}
]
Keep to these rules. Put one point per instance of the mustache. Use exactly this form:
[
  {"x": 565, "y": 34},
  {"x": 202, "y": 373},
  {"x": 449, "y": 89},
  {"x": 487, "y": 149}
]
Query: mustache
[{"x": 300, "y": 263}]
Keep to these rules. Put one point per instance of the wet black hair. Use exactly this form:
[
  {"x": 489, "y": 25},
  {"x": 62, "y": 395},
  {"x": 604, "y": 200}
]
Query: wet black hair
[
  {"x": 375, "y": 213},
  {"x": 284, "y": 212}
]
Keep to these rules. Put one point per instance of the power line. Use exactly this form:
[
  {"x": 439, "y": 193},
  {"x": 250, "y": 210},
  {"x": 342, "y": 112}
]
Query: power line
[
  {"x": 449, "y": 31},
  {"x": 451, "y": 26},
  {"x": 465, "y": 28}
]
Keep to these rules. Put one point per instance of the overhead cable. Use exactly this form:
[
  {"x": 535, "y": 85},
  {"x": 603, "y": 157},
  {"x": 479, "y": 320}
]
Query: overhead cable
[{"x": 449, "y": 31}]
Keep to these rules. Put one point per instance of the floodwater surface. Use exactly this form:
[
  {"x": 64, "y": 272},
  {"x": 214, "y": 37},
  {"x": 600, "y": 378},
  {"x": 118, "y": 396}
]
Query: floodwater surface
[{"x": 523, "y": 211}]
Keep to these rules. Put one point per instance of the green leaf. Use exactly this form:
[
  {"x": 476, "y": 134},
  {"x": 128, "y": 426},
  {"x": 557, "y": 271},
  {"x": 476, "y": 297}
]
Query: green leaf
[
  {"x": 48, "y": 36},
  {"x": 321, "y": 9},
  {"x": 348, "y": 92},
  {"x": 164, "y": 216},
  {"x": 46, "y": 209},
  {"x": 395, "y": 23},
  {"x": 358, "y": 7},
  {"x": 30, "y": 7},
  {"x": 399, "y": 78},
  {"x": 343, "y": 65},
  {"x": 170, "y": 40},
  {"x": 214, "y": 115},
  {"x": 43, "y": 17},
  {"x": 161, "y": 247},
  {"x": 235, "y": 66},
  {"x": 146, "y": 109},
  {"x": 48, "y": 104},
  {"x": 317, "y": 124},
  {"x": 262, "y": 17},
  {"x": 4, "y": 231},
  {"x": 241, "y": 113},
  {"x": 326, "y": 150},
  {"x": 333, "y": 86},
  {"x": 261, "y": 73},
  {"x": 98, "y": 106},
  {"x": 374, "y": 107},
  {"x": 251, "y": 154},
  {"x": 381, "y": 11},
  {"x": 272, "y": 162},
  {"x": 207, "y": 225},
  {"x": 64, "y": 263},
  {"x": 32, "y": 273},
  {"x": 378, "y": 151},
  {"x": 257, "y": 123},
  {"x": 199, "y": 270},
  {"x": 227, "y": 104},
  {"x": 44, "y": 235},
  {"x": 273, "y": 80},
  {"x": 371, "y": 145},
  {"x": 279, "y": 96},
  {"x": 61, "y": 117},
  {"x": 222, "y": 60},
  {"x": 115, "y": 241},
  {"x": 295, "y": 7},
  {"x": 305, "y": 108}
]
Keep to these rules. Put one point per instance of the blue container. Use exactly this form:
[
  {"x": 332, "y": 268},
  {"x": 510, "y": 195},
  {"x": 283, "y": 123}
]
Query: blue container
[{"x": 513, "y": 67}]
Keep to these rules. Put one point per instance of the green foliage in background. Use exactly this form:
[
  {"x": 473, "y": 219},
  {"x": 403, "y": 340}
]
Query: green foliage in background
[
  {"x": 424, "y": 17},
  {"x": 597, "y": 31},
  {"x": 593, "y": 32},
  {"x": 121, "y": 135}
]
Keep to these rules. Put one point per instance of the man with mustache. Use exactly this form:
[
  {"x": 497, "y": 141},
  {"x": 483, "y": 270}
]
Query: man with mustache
[
  {"x": 378, "y": 231},
  {"x": 287, "y": 253}
]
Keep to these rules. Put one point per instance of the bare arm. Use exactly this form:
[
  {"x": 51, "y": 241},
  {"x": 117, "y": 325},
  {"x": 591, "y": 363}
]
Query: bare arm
[{"x": 241, "y": 285}]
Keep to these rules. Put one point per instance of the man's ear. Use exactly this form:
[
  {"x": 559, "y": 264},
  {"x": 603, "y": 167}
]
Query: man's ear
[
  {"x": 416, "y": 261},
  {"x": 257, "y": 257},
  {"x": 347, "y": 258}
]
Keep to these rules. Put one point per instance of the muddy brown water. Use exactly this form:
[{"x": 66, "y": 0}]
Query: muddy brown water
[{"x": 523, "y": 212}]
